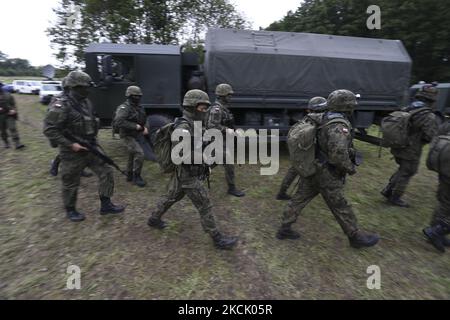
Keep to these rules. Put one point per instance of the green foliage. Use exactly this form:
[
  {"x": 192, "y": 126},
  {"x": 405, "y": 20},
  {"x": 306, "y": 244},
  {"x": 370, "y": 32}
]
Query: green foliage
[
  {"x": 422, "y": 25},
  {"x": 136, "y": 21},
  {"x": 16, "y": 67}
]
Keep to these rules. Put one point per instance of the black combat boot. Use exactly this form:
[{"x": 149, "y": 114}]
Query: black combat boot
[
  {"x": 387, "y": 191},
  {"x": 436, "y": 235},
  {"x": 235, "y": 192},
  {"x": 86, "y": 174},
  {"x": 156, "y": 223},
  {"x": 138, "y": 181},
  {"x": 19, "y": 146},
  {"x": 286, "y": 232},
  {"x": 224, "y": 242},
  {"x": 283, "y": 196},
  {"x": 396, "y": 200},
  {"x": 54, "y": 168},
  {"x": 74, "y": 215},
  {"x": 130, "y": 176},
  {"x": 6, "y": 142},
  {"x": 109, "y": 208},
  {"x": 361, "y": 239}
]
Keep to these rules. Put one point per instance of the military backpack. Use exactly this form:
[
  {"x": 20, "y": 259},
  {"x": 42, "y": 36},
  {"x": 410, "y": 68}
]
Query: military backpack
[
  {"x": 302, "y": 142},
  {"x": 396, "y": 128},
  {"x": 439, "y": 156},
  {"x": 162, "y": 145}
]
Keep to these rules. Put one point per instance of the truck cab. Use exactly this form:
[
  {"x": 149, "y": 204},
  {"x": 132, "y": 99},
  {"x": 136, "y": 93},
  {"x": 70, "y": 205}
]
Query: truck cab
[{"x": 158, "y": 69}]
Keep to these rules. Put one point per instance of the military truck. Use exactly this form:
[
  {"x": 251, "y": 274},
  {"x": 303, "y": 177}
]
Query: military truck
[{"x": 273, "y": 74}]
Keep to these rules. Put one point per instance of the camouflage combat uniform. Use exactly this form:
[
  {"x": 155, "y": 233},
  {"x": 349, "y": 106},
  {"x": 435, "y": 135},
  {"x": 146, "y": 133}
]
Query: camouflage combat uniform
[
  {"x": 335, "y": 143},
  {"x": 334, "y": 160},
  {"x": 127, "y": 117},
  {"x": 315, "y": 105},
  {"x": 189, "y": 180},
  {"x": 440, "y": 222},
  {"x": 423, "y": 129},
  {"x": 442, "y": 213},
  {"x": 63, "y": 116},
  {"x": 8, "y": 122},
  {"x": 291, "y": 175},
  {"x": 221, "y": 118}
]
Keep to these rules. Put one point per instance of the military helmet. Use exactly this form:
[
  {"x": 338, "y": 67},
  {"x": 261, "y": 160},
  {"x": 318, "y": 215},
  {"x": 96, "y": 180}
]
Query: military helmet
[
  {"x": 317, "y": 104},
  {"x": 223, "y": 90},
  {"x": 428, "y": 92},
  {"x": 342, "y": 101},
  {"x": 195, "y": 97},
  {"x": 133, "y": 91},
  {"x": 78, "y": 79}
]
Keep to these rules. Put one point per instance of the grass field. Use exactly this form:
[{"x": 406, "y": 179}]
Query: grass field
[{"x": 121, "y": 258}]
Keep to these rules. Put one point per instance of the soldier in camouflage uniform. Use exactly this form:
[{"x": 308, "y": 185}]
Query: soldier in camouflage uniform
[
  {"x": 54, "y": 166},
  {"x": 334, "y": 163},
  {"x": 8, "y": 117},
  {"x": 423, "y": 128},
  {"x": 130, "y": 120},
  {"x": 73, "y": 114},
  {"x": 315, "y": 105},
  {"x": 188, "y": 179},
  {"x": 221, "y": 118},
  {"x": 440, "y": 223}
]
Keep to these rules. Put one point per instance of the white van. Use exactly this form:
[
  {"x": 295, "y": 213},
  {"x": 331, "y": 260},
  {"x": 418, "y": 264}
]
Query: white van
[
  {"x": 27, "y": 86},
  {"x": 49, "y": 89}
]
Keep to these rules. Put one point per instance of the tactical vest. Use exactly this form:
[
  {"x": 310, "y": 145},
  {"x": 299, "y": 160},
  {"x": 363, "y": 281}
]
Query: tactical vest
[{"x": 82, "y": 122}]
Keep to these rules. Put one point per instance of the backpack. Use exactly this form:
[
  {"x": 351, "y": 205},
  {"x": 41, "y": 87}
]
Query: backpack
[
  {"x": 302, "y": 142},
  {"x": 396, "y": 128},
  {"x": 162, "y": 145},
  {"x": 439, "y": 156}
]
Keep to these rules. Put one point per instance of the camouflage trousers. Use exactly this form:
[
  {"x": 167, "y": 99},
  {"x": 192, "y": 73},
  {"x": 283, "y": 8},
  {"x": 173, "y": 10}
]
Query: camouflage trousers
[
  {"x": 400, "y": 180},
  {"x": 288, "y": 180},
  {"x": 73, "y": 164},
  {"x": 229, "y": 170},
  {"x": 181, "y": 185},
  {"x": 8, "y": 124},
  {"x": 135, "y": 155},
  {"x": 442, "y": 212},
  {"x": 331, "y": 187},
  {"x": 229, "y": 174}
]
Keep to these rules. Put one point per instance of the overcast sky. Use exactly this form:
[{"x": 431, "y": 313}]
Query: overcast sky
[{"x": 23, "y": 24}]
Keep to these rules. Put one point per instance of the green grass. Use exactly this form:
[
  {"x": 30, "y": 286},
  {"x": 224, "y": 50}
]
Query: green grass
[{"x": 121, "y": 258}]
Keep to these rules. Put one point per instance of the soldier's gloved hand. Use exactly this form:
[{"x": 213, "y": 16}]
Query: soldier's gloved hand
[{"x": 77, "y": 147}]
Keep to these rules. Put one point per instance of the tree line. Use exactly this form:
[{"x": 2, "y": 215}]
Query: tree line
[{"x": 80, "y": 22}]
